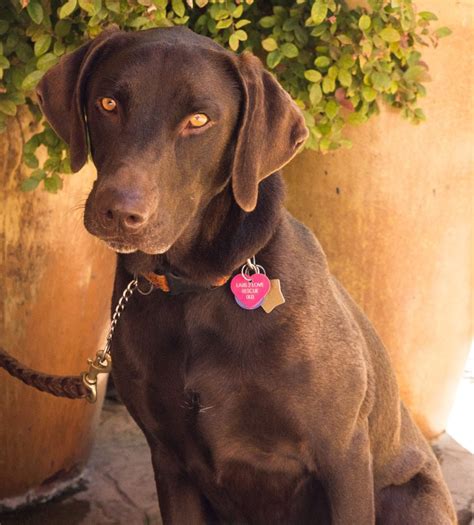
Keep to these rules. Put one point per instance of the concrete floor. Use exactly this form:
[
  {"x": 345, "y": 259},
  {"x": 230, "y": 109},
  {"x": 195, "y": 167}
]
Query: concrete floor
[{"x": 119, "y": 487}]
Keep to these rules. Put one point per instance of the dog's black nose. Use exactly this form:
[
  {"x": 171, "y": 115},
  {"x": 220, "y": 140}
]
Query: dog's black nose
[
  {"x": 127, "y": 219},
  {"x": 117, "y": 211}
]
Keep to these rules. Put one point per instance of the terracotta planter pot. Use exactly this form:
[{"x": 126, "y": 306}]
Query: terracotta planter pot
[
  {"x": 55, "y": 289},
  {"x": 394, "y": 215}
]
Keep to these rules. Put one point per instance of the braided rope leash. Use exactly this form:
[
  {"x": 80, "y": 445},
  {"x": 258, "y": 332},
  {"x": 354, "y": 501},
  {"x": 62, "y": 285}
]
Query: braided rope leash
[
  {"x": 83, "y": 386},
  {"x": 71, "y": 387}
]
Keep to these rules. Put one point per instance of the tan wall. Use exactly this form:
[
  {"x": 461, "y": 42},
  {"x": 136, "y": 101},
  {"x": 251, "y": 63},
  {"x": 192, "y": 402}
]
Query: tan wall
[{"x": 394, "y": 215}]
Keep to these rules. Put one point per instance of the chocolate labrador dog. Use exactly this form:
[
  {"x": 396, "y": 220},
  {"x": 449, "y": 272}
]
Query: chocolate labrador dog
[{"x": 286, "y": 417}]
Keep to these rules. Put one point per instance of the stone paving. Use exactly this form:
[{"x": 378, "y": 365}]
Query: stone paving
[{"x": 119, "y": 488}]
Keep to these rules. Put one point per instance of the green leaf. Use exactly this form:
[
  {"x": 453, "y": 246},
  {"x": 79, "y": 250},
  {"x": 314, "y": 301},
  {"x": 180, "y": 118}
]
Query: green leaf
[
  {"x": 4, "y": 62},
  {"x": 413, "y": 58},
  {"x": 23, "y": 51},
  {"x": 329, "y": 85},
  {"x": 344, "y": 77},
  {"x": 178, "y": 7},
  {"x": 67, "y": 8},
  {"x": 238, "y": 11},
  {"x": 312, "y": 75},
  {"x": 291, "y": 24},
  {"x": 324, "y": 144},
  {"x": 289, "y": 50},
  {"x": 301, "y": 36},
  {"x": 30, "y": 160},
  {"x": 53, "y": 163},
  {"x": 319, "y": 11},
  {"x": 46, "y": 61},
  {"x": 364, "y": 22},
  {"x": 242, "y": 23},
  {"x": 346, "y": 61},
  {"x": 241, "y": 35},
  {"x": 138, "y": 22},
  {"x": 62, "y": 28},
  {"x": 315, "y": 94},
  {"x": 38, "y": 174},
  {"x": 415, "y": 73},
  {"x": 17, "y": 97},
  {"x": 29, "y": 184},
  {"x": 369, "y": 94},
  {"x": 65, "y": 166},
  {"x": 35, "y": 11},
  {"x": 32, "y": 145},
  {"x": 269, "y": 44},
  {"x": 419, "y": 114},
  {"x": 4, "y": 25},
  {"x": 50, "y": 138},
  {"x": 12, "y": 41},
  {"x": 308, "y": 118},
  {"x": 322, "y": 62},
  {"x": 332, "y": 72},
  {"x": 320, "y": 30},
  {"x": 31, "y": 80},
  {"x": 274, "y": 58},
  {"x": 268, "y": 21},
  {"x": 53, "y": 183},
  {"x": 443, "y": 32},
  {"x": 233, "y": 42},
  {"x": 92, "y": 7},
  {"x": 224, "y": 24},
  {"x": 42, "y": 45},
  {"x": 222, "y": 14},
  {"x": 389, "y": 34},
  {"x": 59, "y": 48},
  {"x": 357, "y": 117},
  {"x": 331, "y": 109},
  {"x": 7, "y": 107},
  {"x": 114, "y": 5},
  {"x": 427, "y": 15},
  {"x": 380, "y": 81}
]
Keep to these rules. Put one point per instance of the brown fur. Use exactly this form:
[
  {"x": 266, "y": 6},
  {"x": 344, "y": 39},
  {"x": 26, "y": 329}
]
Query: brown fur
[{"x": 288, "y": 418}]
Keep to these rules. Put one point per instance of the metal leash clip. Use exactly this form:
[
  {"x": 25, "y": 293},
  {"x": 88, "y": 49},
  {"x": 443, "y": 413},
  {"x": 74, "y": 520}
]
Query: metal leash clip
[{"x": 100, "y": 365}]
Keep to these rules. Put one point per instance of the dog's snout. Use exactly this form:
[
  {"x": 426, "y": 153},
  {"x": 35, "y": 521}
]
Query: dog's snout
[{"x": 121, "y": 211}]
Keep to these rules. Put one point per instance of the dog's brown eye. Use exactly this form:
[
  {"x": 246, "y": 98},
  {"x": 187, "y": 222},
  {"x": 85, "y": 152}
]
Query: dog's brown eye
[
  {"x": 108, "y": 103},
  {"x": 198, "y": 120}
]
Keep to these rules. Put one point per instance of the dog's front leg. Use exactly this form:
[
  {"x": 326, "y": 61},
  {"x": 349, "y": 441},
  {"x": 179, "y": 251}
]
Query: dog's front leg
[
  {"x": 347, "y": 470},
  {"x": 180, "y": 501}
]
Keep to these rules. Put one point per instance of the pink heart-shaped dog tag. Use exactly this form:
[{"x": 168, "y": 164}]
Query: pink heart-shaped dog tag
[{"x": 250, "y": 294}]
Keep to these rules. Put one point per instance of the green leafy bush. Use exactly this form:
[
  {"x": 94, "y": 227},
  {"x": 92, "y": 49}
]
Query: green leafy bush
[{"x": 337, "y": 63}]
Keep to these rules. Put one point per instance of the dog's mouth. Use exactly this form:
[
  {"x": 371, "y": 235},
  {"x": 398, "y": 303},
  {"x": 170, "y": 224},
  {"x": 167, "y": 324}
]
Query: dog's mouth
[{"x": 121, "y": 247}]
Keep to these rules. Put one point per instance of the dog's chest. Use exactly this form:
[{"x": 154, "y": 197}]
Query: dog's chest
[
  {"x": 246, "y": 447},
  {"x": 232, "y": 414}
]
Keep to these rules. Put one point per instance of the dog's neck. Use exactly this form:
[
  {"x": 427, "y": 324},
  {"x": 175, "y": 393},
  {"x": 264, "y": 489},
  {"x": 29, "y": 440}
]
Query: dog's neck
[{"x": 220, "y": 239}]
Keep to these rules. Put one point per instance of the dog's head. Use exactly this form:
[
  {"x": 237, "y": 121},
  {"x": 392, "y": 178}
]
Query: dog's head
[{"x": 171, "y": 118}]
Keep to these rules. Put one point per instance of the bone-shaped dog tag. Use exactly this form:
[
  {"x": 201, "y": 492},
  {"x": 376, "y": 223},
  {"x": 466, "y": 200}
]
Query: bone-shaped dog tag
[{"x": 274, "y": 297}]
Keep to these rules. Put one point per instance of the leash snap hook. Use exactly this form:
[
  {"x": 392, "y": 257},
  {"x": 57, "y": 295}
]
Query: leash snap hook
[{"x": 102, "y": 364}]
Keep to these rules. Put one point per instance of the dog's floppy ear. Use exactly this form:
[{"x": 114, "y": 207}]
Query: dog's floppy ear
[
  {"x": 271, "y": 130},
  {"x": 60, "y": 95}
]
